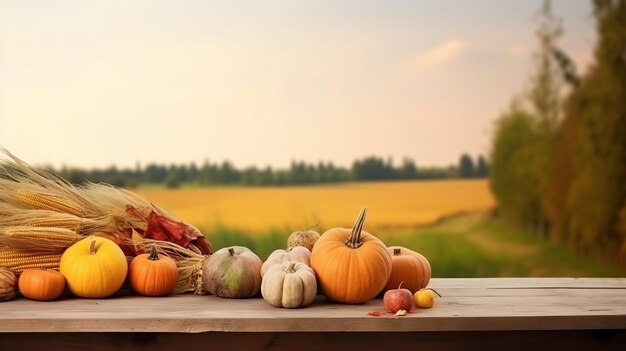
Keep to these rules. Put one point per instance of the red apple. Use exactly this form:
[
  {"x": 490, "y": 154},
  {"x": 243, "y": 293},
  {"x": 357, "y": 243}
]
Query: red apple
[{"x": 398, "y": 299}]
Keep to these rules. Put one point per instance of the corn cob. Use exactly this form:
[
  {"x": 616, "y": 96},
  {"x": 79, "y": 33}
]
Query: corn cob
[
  {"x": 47, "y": 201},
  {"x": 19, "y": 260},
  {"x": 57, "y": 220},
  {"x": 40, "y": 238}
]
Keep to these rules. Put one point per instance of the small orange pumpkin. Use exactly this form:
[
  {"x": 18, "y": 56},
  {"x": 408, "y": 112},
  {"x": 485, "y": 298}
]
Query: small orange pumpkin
[
  {"x": 41, "y": 284},
  {"x": 151, "y": 274},
  {"x": 352, "y": 265},
  {"x": 408, "y": 267}
]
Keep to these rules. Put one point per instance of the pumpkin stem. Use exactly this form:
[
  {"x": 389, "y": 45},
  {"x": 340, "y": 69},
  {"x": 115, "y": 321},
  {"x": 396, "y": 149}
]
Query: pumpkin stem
[
  {"x": 291, "y": 268},
  {"x": 231, "y": 251},
  {"x": 433, "y": 290},
  {"x": 154, "y": 255},
  {"x": 92, "y": 245},
  {"x": 354, "y": 240},
  {"x": 311, "y": 227},
  {"x": 396, "y": 252}
]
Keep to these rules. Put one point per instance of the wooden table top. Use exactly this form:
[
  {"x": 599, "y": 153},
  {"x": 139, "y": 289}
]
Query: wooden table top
[{"x": 469, "y": 304}]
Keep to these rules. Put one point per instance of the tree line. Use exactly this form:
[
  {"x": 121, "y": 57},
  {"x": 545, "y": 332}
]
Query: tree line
[
  {"x": 558, "y": 157},
  {"x": 370, "y": 168}
]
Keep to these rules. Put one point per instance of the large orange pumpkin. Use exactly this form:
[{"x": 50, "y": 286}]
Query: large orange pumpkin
[
  {"x": 352, "y": 265},
  {"x": 151, "y": 274},
  {"x": 41, "y": 284},
  {"x": 408, "y": 267}
]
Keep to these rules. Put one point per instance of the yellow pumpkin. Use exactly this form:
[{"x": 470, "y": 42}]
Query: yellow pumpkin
[
  {"x": 8, "y": 284},
  {"x": 352, "y": 265},
  {"x": 94, "y": 267},
  {"x": 289, "y": 285}
]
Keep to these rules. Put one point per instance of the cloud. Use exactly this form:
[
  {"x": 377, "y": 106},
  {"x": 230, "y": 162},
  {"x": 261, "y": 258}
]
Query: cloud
[{"x": 442, "y": 53}]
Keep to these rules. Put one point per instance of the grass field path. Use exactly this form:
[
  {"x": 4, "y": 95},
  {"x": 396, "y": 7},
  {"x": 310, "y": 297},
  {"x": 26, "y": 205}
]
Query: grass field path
[
  {"x": 476, "y": 245},
  {"x": 469, "y": 245}
]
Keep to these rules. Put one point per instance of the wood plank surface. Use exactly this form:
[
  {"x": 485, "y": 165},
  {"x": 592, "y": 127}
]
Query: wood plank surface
[{"x": 498, "y": 304}]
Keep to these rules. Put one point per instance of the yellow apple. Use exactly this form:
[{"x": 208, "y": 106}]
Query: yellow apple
[{"x": 425, "y": 298}]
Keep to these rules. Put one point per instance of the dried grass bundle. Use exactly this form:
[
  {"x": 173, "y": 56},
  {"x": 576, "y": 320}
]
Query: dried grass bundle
[
  {"x": 18, "y": 178},
  {"x": 31, "y": 199}
]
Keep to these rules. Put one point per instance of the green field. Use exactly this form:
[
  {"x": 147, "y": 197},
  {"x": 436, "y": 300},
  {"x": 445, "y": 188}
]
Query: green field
[{"x": 471, "y": 245}]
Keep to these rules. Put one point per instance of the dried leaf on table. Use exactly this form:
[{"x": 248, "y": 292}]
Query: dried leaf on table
[{"x": 400, "y": 313}]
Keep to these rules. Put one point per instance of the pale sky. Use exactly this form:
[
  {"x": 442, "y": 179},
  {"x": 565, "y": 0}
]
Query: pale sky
[{"x": 97, "y": 83}]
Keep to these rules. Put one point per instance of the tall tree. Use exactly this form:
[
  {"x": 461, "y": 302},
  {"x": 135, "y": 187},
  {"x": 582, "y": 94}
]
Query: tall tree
[
  {"x": 535, "y": 115},
  {"x": 466, "y": 166},
  {"x": 591, "y": 185},
  {"x": 172, "y": 180},
  {"x": 408, "y": 169},
  {"x": 373, "y": 168},
  {"x": 546, "y": 82},
  {"x": 511, "y": 179},
  {"x": 544, "y": 96},
  {"x": 482, "y": 168}
]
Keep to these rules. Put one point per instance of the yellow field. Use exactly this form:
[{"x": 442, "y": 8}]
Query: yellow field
[{"x": 390, "y": 204}]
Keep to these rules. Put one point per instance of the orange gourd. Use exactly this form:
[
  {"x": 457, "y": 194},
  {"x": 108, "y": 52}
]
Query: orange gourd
[
  {"x": 151, "y": 274},
  {"x": 408, "y": 267},
  {"x": 41, "y": 284},
  {"x": 352, "y": 265}
]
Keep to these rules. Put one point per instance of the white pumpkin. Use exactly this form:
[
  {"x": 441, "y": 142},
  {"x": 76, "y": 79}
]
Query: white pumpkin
[
  {"x": 295, "y": 254},
  {"x": 289, "y": 285}
]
